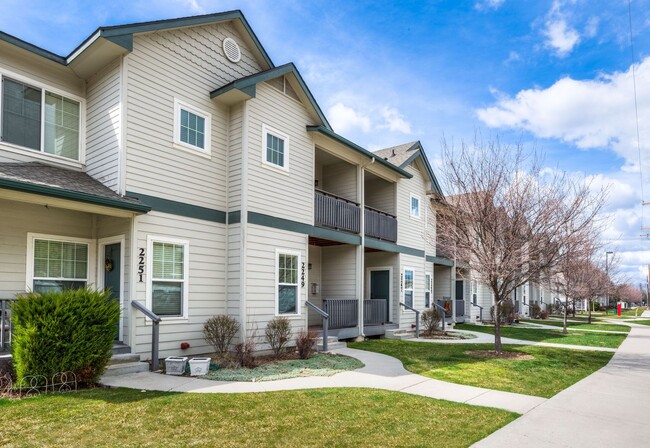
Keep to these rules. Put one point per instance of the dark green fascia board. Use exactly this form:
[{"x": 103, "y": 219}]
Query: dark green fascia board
[
  {"x": 440, "y": 261},
  {"x": 125, "y": 41},
  {"x": 109, "y": 32},
  {"x": 248, "y": 83},
  {"x": 388, "y": 246},
  {"x": 180, "y": 208},
  {"x": 32, "y": 48},
  {"x": 342, "y": 140},
  {"x": 77, "y": 196},
  {"x": 420, "y": 153},
  {"x": 299, "y": 227},
  {"x": 234, "y": 217}
]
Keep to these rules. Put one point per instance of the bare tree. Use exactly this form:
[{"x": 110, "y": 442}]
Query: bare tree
[
  {"x": 628, "y": 293},
  {"x": 508, "y": 219}
]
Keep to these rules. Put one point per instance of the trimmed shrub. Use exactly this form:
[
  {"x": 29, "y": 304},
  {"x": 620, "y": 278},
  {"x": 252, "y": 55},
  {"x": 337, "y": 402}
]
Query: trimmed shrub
[
  {"x": 535, "y": 310},
  {"x": 244, "y": 353},
  {"x": 506, "y": 312},
  {"x": 219, "y": 331},
  {"x": 278, "y": 333},
  {"x": 72, "y": 330},
  {"x": 543, "y": 314},
  {"x": 430, "y": 320},
  {"x": 306, "y": 344}
]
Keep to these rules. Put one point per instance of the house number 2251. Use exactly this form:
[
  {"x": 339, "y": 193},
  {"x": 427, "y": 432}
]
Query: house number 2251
[{"x": 141, "y": 264}]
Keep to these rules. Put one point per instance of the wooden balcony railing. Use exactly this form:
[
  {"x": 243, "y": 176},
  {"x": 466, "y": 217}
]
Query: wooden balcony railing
[
  {"x": 380, "y": 225},
  {"x": 336, "y": 212}
]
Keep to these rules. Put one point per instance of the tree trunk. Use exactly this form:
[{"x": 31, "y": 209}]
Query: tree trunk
[
  {"x": 591, "y": 305},
  {"x": 497, "y": 327},
  {"x": 566, "y": 312}
]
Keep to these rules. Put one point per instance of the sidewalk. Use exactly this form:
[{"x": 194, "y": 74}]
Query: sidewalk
[
  {"x": 380, "y": 372},
  {"x": 608, "y": 408}
]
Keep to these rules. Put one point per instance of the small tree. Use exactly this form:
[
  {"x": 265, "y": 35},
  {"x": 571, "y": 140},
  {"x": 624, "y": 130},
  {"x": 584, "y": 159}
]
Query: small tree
[
  {"x": 219, "y": 332},
  {"x": 430, "y": 320},
  {"x": 510, "y": 220},
  {"x": 278, "y": 333}
]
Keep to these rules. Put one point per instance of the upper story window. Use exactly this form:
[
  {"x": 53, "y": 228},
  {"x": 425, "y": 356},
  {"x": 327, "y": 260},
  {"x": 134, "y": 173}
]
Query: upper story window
[
  {"x": 40, "y": 120},
  {"x": 192, "y": 127},
  {"x": 415, "y": 206},
  {"x": 275, "y": 148}
]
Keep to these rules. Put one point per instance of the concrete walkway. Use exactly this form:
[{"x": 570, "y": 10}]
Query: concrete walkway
[
  {"x": 380, "y": 372},
  {"x": 610, "y": 408}
]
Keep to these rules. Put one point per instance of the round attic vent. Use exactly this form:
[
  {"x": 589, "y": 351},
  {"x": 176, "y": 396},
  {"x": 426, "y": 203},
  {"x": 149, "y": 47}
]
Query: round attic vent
[{"x": 231, "y": 50}]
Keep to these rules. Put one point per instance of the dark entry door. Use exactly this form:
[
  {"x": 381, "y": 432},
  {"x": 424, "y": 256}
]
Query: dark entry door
[
  {"x": 380, "y": 288},
  {"x": 112, "y": 274},
  {"x": 460, "y": 295}
]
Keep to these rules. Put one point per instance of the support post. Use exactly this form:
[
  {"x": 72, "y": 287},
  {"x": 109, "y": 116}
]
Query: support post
[{"x": 155, "y": 338}]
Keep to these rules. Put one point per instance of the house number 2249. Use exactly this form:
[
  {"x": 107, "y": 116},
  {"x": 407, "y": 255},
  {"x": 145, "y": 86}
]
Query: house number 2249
[{"x": 141, "y": 264}]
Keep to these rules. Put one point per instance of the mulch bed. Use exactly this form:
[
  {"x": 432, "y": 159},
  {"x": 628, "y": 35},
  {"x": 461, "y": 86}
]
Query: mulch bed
[{"x": 514, "y": 356}]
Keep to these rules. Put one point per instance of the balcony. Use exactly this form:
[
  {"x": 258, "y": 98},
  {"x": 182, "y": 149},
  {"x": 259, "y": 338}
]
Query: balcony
[
  {"x": 380, "y": 225},
  {"x": 336, "y": 212}
]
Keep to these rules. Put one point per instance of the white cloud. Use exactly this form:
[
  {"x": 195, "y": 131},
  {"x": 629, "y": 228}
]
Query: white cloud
[
  {"x": 488, "y": 4},
  {"x": 561, "y": 37},
  {"x": 394, "y": 121},
  {"x": 591, "y": 29},
  {"x": 592, "y": 114},
  {"x": 513, "y": 56},
  {"x": 344, "y": 119}
]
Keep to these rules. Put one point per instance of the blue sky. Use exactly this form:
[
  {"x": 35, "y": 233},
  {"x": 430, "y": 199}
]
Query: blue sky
[{"x": 552, "y": 74}]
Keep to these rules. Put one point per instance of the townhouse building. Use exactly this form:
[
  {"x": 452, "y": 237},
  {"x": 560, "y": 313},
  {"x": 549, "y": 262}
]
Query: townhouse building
[{"x": 174, "y": 163}]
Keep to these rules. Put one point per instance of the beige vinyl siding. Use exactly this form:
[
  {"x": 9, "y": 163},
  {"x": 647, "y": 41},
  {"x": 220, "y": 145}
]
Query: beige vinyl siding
[
  {"x": 385, "y": 260},
  {"x": 184, "y": 64},
  {"x": 30, "y": 67},
  {"x": 235, "y": 157},
  {"x": 340, "y": 179},
  {"x": 16, "y": 220},
  {"x": 406, "y": 318},
  {"x": 441, "y": 282},
  {"x": 430, "y": 232},
  {"x": 410, "y": 230},
  {"x": 206, "y": 285},
  {"x": 338, "y": 272},
  {"x": 380, "y": 195},
  {"x": 234, "y": 270},
  {"x": 286, "y": 194},
  {"x": 103, "y": 125},
  {"x": 261, "y": 281}
]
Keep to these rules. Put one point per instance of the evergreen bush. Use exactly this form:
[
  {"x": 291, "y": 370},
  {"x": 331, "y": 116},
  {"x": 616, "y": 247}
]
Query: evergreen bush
[{"x": 72, "y": 330}]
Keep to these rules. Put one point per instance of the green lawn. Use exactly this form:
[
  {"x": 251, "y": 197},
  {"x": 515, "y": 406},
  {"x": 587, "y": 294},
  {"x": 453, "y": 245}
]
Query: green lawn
[
  {"x": 581, "y": 326},
  {"x": 551, "y": 370},
  {"x": 321, "y": 417},
  {"x": 642, "y": 322},
  {"x": 590, "y": 339}
]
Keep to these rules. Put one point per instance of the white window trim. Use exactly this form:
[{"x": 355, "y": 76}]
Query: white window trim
[
  {"x": 29, "y": 267},
  {"x": 276, "y": 283},
  {"x": 428, "y": 286},
  {"x": 404, "y": 288},
  {"x": 186, "y": 274},
  {"x": 411, "y": 197},
  {"x": 269, "y": 130},
  {"x": 207, "y": 116},
  {"x": 41, "y": 154},
  {"x": 474, "y": 291}
]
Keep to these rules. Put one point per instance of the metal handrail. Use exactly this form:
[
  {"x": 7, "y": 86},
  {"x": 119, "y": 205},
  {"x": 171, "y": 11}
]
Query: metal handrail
[
  {"x": 380, "y": 211},
  {"x": 481, "y": 314},
  {"x": 443, "y": 315},
  {"x": 155, "y": 331},
  {"x": 5, "y": 322},
  {"x": 325, "y": 317},
  {"x": 417, "y": 318},
  {"x": 332, "y": 195}
]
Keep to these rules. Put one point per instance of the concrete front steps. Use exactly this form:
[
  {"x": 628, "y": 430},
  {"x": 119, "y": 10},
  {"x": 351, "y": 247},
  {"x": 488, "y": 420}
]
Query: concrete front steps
[
  {"x": 124, "y": 362},
  {"x": 400, "y": 334},
  {"x": 333, "y": 343}
]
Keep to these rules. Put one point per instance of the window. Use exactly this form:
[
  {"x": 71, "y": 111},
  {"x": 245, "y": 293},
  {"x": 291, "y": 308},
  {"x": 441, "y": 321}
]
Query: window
[
  {"x": 408, "y": 287},
  {"x": 168, "y": 285},
  {"x": 192, "y": 127},
  {"x": 40, "y": 120},
  {"x": 427, "y": 290},
  {"x": 287, "y": 287},
  {"x": 415, "y": 206},
  {"x": 275, "y": 148},
  {"x": 58, "y": 265},
  {"x": 474, "y": 287}
]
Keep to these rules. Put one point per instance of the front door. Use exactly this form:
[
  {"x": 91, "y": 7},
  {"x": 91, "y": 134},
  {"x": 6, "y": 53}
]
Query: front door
[
  {"x": 380, "y": 288},
  {"x": 112, "y": 274},
  {"x": 460, "y": 295}
]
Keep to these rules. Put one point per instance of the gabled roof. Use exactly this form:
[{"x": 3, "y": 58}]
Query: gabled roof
[
  {"x": 403, "y": 155},
  {"x": 342, "y": 140},
  {"x": 46, "y": 180},
  {"x": 110, "y": 41},
  {"x": 245, "y": 88}
]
